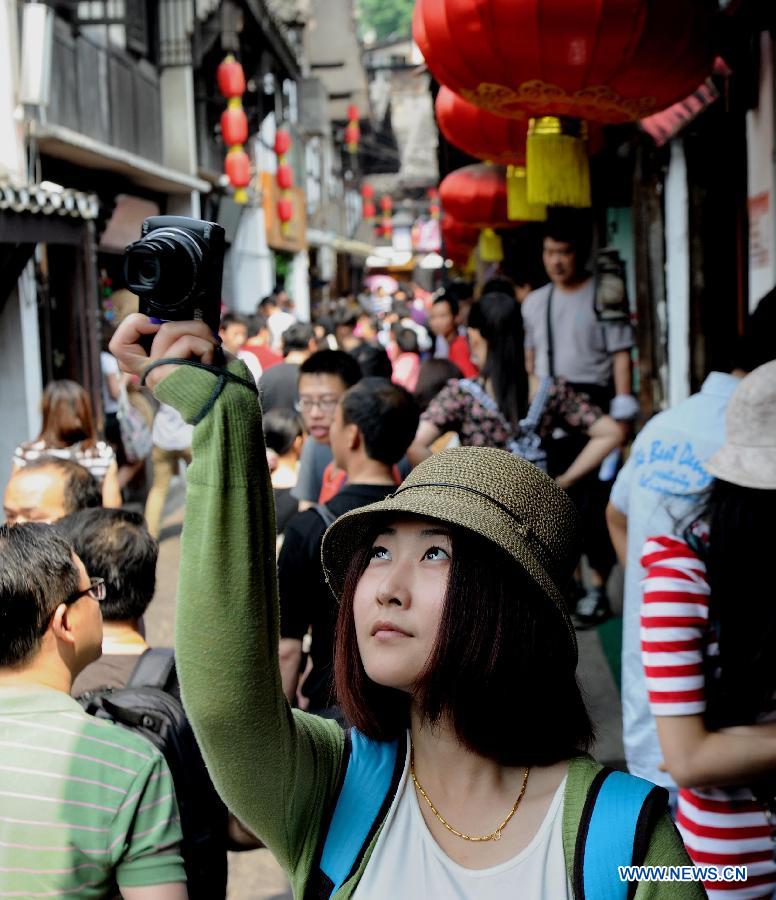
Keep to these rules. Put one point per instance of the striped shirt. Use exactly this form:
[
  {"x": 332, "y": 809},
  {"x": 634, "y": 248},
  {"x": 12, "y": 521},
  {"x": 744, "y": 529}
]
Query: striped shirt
[
  {"x": 97, "y": 459},
  {"x": 85, "y": 805},
  {"x": 720, "y": 826}
]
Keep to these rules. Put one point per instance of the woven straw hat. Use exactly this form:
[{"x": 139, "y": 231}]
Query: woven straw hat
[
  {"x": 490, "y": 492},
  {"x": 748, "y": 456}
]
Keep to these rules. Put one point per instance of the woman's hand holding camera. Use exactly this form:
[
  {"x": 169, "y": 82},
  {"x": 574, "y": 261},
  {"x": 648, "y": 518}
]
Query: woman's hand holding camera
[{"x": 172, "y": 340}]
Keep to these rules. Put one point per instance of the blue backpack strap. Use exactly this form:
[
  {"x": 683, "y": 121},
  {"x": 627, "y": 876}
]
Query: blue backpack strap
[
  {"x": 617, "y": 821},
  {"x": 374, "y": 769}
]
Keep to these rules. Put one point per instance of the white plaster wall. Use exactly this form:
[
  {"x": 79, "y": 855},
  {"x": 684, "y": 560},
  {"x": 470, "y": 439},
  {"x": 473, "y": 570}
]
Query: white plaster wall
[
  {"x": 20, "y": 370},
  {"x": 179, "y": 136},
  {"x": 249, "y": 270},
  {"x": 300, "y": 286},
  {"x": 678, "y": 276},
  {"x": 11, "y": 131},
  {"x": 761, "y": 190}
]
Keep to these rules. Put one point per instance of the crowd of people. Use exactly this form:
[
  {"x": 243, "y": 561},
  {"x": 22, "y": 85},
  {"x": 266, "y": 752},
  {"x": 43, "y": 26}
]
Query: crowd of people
[{"x": 378, "y": 603}]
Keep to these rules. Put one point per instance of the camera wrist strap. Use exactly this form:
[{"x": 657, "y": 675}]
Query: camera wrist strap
[{"x": 223, "y": 376}]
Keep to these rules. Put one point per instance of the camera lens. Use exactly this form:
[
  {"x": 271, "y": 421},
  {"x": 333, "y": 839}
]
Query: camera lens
[
  {"x": 141, "y": 268},
  {"x": 166, "y": 263}
]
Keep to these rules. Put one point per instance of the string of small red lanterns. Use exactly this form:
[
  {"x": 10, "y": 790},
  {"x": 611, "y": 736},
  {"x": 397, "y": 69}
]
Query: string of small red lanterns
[
  {"x": 352, "y": 130},
  {"x": 368, "y": 206},
  {"x": 434, "y": 210},
  {"x": 234, "y": 126},
  {"x": 386, "y": 205},
  {"x": 284, "y": 178}
]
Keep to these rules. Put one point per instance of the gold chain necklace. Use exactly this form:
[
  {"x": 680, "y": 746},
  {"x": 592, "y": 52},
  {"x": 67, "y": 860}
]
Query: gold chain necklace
[{"x": 494, "y": 835}]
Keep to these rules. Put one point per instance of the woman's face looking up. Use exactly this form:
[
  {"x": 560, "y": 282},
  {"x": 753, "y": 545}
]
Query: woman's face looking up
[{"x": 399, "y": 600}]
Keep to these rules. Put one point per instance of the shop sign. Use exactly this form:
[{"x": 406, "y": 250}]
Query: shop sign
[{"x": 291, "y": 236}]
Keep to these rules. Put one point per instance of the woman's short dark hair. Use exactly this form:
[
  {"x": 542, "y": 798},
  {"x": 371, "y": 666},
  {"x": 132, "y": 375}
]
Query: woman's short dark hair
[
  {"x": 115, "y": 544},
  {"x": 37, "y": 573},
  {"x": 499, "y": 285},
  {"x": 434, "y": 375},
  {"x": 373, "y": 360},
  {"x": 407, "y": 340},
  {"x": 282, "y": 427},
  {"x": 502, "y": 670},
  {"x": 67, "y": 416}
]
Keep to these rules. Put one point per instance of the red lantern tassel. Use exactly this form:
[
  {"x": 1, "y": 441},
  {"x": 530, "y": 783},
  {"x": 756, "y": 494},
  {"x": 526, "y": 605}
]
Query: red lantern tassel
[
  {"x": 518, "y": 207},
  {"x": 558, "y": 169}
]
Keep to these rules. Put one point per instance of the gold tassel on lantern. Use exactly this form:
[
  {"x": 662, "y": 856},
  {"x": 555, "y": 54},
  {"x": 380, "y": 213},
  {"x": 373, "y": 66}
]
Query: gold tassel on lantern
[
  {"x": 491, "y": 248},
  {"x": 558, "y": 170},
  {"x": 518, "y": 207}
]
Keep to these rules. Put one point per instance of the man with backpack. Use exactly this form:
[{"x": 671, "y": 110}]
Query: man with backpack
[
  {"x": 137, "y": 686},
  {"x": 568, "y": 335},
  {"x": 372, "y": 427},
  {"x": 87, "y": 809}
]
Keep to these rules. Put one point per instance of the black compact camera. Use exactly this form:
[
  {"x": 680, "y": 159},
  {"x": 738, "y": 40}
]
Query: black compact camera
[{"x": 176, "y": 269}]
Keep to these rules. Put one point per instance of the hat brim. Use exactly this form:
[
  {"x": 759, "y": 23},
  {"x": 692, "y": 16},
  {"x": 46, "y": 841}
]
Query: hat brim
[
  {"x": 750, "y": 467},
  {"x": 346, "y": 536}
]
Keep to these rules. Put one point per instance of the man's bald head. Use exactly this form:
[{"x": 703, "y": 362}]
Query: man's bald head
[{"x": 48, "y": 489}]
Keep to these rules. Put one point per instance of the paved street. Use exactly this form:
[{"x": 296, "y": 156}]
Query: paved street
[{"x": 256, "y": 875}]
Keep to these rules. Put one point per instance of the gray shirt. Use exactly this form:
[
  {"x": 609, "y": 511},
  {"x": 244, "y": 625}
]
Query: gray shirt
[
  {"x": 583, "y": 345},
  {"x": 312, "y": 464}
]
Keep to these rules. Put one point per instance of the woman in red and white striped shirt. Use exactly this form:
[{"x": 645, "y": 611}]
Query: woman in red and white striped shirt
[{"x": 708, "y": 641}]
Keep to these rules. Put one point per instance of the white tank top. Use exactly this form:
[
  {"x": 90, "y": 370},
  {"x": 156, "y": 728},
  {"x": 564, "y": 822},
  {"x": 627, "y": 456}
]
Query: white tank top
[{"x": 408, "y": 863}]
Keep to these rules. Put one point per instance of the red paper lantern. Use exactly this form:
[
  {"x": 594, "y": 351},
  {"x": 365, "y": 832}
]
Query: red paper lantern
[
  {"x": 613, "y": 61},
  {"x": 477, "y": 196},
  {"x": 367, "y": 192},
  {"x": 238, "y": 168},
  {"x": 479, "y": 133},
  {"x": 282, "y": 142},
  {"x": 386, "y": 203},
  {"x": 352, "y": 136},
  {"x": 458, "y": 253},
  {"x": 285, "y": 210},
  {"x": 284, "y": 177},
  {"x": 353, "y": 113},
  {"x": 456, "y": 232},
  {"x": 230, "y": 78},
  {"x": 234, "y": 126},
  {"x": 370, "y": 210}
]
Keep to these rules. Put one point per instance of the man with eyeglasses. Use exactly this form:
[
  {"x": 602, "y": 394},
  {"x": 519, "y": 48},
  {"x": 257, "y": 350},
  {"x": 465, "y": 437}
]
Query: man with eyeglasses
[
  {"x": 372, "y": 426},
  {"x": 85, "y": 805},
  {"x": 323, "y": 379}
]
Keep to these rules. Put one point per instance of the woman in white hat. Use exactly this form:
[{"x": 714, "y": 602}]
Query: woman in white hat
[
  {"x": 465, "y": 775},
  {"x": 708, "y": 627}
]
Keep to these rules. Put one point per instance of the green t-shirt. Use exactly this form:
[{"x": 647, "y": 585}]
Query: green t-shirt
[{"x": 84, "y": 804}]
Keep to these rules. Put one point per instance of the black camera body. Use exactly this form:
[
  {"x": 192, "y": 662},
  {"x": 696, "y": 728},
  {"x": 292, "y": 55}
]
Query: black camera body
[{"x": 176, "y": 269}]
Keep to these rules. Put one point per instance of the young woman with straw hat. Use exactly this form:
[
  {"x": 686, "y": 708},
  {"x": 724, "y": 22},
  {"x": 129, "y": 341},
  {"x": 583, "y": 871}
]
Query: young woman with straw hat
[
  {"x": 465, "y": 774},
  {"x": 708, "y": 626}
]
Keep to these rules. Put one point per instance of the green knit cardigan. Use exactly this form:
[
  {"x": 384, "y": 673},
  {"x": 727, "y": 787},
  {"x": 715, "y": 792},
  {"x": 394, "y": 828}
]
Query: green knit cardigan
[{"x": 277, "y": 770}]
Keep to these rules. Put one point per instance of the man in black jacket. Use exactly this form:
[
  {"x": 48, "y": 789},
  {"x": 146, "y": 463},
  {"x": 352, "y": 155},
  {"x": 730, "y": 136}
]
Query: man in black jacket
[{"x": 373, "y": 426}]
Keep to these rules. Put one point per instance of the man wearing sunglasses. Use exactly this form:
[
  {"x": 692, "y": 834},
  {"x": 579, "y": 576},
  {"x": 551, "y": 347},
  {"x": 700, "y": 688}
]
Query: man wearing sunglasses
[{"x": 85, "y": 805}]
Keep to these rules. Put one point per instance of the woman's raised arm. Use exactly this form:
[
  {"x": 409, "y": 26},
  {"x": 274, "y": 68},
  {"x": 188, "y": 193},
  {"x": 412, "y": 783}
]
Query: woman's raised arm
[{"x": 272, "y": 768}]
